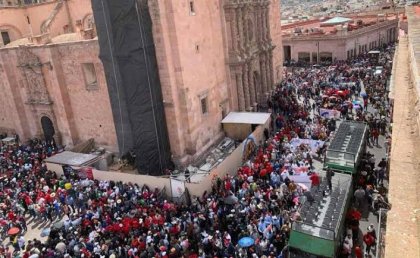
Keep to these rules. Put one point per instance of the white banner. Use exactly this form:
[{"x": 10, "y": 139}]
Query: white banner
[
  {"x": 313, "y": 144},
  {"x": 177, "y": 188},
  {"x": 329, "y": 113}
]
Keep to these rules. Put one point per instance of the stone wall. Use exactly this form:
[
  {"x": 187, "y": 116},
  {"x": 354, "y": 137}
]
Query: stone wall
[
  {"x": 49, "y": 81},
  {"x": 413, "y": 18},
  {"x": 276, "y": 37},
  {"x": 189, "y": 48},
  {"x": 26, "y": 21}
]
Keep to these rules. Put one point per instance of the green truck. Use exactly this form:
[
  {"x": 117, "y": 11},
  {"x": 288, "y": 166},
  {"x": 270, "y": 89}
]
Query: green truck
[
  {"x": 347, "y": 147},
  {"x": 321, "y": 230}
]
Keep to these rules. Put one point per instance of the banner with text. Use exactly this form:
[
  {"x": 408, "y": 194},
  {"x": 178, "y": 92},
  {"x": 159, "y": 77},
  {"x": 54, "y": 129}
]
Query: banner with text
[{"x": 329, "y": 113}]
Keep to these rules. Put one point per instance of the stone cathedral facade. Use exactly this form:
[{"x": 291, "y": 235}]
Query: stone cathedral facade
[{"x": 213, "y": 57}]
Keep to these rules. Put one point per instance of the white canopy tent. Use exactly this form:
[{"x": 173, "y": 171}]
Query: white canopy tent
[{"x": 238, "y": 125}]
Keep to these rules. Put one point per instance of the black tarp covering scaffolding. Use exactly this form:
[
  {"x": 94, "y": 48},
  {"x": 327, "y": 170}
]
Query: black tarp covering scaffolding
[{"x": 127, "y": 52}]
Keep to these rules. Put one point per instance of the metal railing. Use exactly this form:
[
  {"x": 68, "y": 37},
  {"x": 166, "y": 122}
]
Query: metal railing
[{"x": 380, "y": 245}]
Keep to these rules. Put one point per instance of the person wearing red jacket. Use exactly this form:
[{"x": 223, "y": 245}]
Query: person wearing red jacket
[
  {"x": 358, "y": 252},
  {"x": 369, "y": 241},
  {"x": 315, "y": 179}
]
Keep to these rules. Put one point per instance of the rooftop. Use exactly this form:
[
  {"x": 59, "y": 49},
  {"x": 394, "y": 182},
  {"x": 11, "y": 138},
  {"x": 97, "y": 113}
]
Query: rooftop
[
  {"x": 246, "y": 118},
  {"x": 330, "y": 26},
  {"x": 348, "y": 137},
  {"x": 335, "y": 21},
  {"x": 73, "y": 159}
]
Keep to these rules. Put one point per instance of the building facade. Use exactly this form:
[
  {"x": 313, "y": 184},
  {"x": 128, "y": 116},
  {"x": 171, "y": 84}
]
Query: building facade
[
  {"x": 213, "y": 57},
  {"x": 50, "y": 75},
  {"x": 312, "y": 42}
]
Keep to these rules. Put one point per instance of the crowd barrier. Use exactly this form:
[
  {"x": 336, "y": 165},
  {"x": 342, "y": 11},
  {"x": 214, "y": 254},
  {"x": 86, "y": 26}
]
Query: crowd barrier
[{"x": 228, "y": 166}]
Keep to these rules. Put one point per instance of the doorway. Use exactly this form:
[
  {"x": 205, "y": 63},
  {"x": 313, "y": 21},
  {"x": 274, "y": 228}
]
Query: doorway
[
  {"x": 287, "y": 51},
  {"x": 48, "y": 130}
]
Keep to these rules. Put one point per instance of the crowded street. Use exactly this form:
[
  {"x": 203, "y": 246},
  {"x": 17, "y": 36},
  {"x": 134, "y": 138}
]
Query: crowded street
[{"x": 251, "y": 214}]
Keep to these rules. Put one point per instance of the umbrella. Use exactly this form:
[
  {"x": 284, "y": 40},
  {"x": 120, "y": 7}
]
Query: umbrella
[
  {"x": 58, "y": 225},
  {"x": 357, "y": 106},
  {"x": 13, "y": 231},
  {"x": 231, "y": 199},
  {"x": 45, "y": 232},
  {"x": 363, "y": 94},
  {"x": 246, "y": 242},
  {"x": 67, "y": 186},
  {"x": 356, "y": 102}
]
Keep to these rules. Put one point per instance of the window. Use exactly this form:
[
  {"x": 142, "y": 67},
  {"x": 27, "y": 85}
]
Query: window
[
  {"x": 204, "y": 108},
  {"x": 5, "y": 37},
  {"x": 90, "y": 76},
  {"x": 192, "y": 7},
  {"x": 304, "y": 57},
  {"x": 314, "y": 57},
  {"x": 326, "y": 57}
]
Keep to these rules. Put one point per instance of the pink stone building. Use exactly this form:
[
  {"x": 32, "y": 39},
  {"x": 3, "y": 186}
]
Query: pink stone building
[
  {"x": 338, "y": 38},
  {"x": 213, "y": 57}
]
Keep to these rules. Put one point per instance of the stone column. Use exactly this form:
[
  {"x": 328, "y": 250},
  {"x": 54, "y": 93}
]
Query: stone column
[
  {"x": 239, "y": 20},
  {"x": 246, "y": 87},
  {"x": 240, "y": 89},
  {"x": 267, "y": 72},
  {"x": 263, "y": 75},
  {"x": 266, "y": 23},
  {"x": 252, "y": 85},
  {"x": 234, "y": 30},
  {"x": 245, "y": 30},
  {"x": 258, "y": 24},
  {"x": 271, "y": 72}
]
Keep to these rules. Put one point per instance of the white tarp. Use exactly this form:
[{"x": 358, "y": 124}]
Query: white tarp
[
  {"x": 255, "y": 118},
  {"x": 72, "y": 158},
  {"x": 313, "y": 144}
]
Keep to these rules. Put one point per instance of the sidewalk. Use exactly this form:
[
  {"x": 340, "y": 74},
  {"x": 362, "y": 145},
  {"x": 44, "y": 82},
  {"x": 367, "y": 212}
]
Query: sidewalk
[{"x": 402, "y": 233}]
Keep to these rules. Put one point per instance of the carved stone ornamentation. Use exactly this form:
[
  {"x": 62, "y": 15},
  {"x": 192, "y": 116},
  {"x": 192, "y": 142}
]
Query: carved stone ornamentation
[
  {"x": 31, "y": 68},
  {"x": 251, "y": 50}
]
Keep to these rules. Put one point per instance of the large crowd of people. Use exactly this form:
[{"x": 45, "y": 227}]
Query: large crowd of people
[{"x": 91, "y": 218}]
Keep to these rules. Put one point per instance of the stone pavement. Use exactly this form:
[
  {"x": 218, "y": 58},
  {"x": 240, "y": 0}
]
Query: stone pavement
[
  {"x": 402, "y": 234},
  {"x": 35, "y": 228}
]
